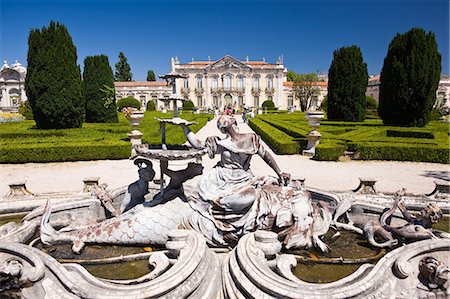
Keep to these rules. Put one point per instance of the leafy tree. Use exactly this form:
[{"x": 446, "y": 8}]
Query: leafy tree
[
  {"x": 53, "y": 81},
  {"x": 291, "y": 76},
  {"x": 409, "y": 79},
  {"x": 123, "y": 69},
  {"x": 347, "y": 84},
  {"x": 128, "y": 102},
  {"x": 151, "y": 76},
  {"x": 26, "y": 111},
  {"x": 304, "y": 89},
  {"x": 98, "y": 89}
]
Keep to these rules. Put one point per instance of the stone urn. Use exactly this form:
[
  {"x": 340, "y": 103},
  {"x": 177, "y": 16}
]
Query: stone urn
[
  {"x": 135, "y": 135},
  {"x": 314, "y": 118}
]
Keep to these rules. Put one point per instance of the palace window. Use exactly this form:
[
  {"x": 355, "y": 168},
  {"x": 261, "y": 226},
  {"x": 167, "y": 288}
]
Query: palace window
[
  {"x": 240, "y": 101},
  {"x": 255, "y": 82},
  {"x": 256, "y": 101},
  {"x": 270, "y": 82},
  {"x": 216, "y": 101},
  {"x": 199, "y": 82},
  {"x": 240, "y": 83},
  {"x": 227, "y": 82},
  {"x": 186, "y": 83},
  {"x": 215, "y": 83},
  {"x": 199, "y": 102}
]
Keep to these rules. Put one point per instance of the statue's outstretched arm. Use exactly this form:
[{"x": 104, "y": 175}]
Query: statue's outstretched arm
[
  {"x": 284, "y": 178},
  {"x": 192, "y": 139},
  {"x": 408, "y": 217}
]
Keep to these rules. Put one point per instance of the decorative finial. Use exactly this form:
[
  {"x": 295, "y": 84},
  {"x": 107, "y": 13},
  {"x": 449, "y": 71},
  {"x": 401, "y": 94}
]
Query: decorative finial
[{"x": 246, "y": 58}]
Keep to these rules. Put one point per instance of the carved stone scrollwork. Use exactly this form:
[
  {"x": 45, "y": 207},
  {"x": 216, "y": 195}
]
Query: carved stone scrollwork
[
  {"x": 190, "y": 270},
  {"x": 248, "y": 273}
]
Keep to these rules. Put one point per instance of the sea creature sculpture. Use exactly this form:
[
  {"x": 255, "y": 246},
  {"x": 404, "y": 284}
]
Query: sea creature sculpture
[
  {"x": 136, "y": 191},
  {"x": 433, "y": 273},
  {"x": 417, "y": 228}
]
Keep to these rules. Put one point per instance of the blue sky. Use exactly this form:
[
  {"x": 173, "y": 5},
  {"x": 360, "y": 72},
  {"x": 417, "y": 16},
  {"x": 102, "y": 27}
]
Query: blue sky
[{"x": 149, "y": 32}]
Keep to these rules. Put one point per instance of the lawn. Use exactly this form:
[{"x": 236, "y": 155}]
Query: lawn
[
  {"x": 368, "y": 140},
  {"x": 21, "y": 142}
]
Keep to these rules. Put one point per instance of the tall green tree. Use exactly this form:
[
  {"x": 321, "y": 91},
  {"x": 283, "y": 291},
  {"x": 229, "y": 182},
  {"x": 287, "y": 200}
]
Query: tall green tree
[
  {"x": 409, "y": 79},
  {"x": 123, "y": 69},
  {"x": 53, "y": 81},
  {"x": 347, "y": 84},
  {"x": 305, "y": 89},
  {"x": 151, "y": 76},
  {"x": 98, "y": 89},
  {"x": 291, "y": 76}
]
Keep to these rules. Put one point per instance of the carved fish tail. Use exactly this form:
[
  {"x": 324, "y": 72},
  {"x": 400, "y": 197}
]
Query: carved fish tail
[{"x": 48, "y": 233}]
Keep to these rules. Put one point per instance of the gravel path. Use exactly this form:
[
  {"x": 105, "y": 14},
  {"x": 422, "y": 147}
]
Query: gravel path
[{"x": 338, "y": 176}]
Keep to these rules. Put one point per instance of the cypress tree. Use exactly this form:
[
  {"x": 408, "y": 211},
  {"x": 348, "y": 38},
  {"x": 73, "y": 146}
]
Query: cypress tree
[
  {"x": 123, "y": 69},
  {"x": 53, "y": 81},
  {"x": 347, "y": 85},
  {"x": 151, "y": 75},
  {"x": 409, "y": 79},
  {"x": 98, "y": 89}
]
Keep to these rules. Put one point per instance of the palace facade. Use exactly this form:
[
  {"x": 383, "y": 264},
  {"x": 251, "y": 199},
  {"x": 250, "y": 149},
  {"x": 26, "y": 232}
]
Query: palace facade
[{"x": 12, "y": 86}]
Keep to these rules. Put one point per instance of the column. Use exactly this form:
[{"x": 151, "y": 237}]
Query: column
[{"x": 247, "y": 87}]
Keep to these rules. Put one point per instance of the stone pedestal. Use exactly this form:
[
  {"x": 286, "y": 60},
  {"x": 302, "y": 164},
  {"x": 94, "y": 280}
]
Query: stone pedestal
[
  {"x": 366, "y": 186},
  {"x": 90, "y": 184},
  {"x": 314, "y": 118},
  {"x": 18, "y": 189},
  {"x": 135, "y": 135}
]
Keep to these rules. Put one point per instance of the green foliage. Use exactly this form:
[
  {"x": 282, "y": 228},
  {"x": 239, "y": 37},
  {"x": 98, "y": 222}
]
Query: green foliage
[
  {"x": 98, "y": 89},
  {"x": 409, "y": 79},
  {"x": 151, "y": 106},
  {"x": 151, "y": 76},
  {"x": 369, "y": 139},
  {"x": 26, "y": 111},
  {"x": 123, "y": 69},
  {"x": 189, "y": 105},
  {"x": 371, "y": 103},
  {"x": 270, "y": 105},
  {"x": 304, "y": 89},
  {"x": 280, "y": 142},
  {"x": 20, "y": 143},
  {"x": 291, "y": 76},
  {"x": 128, "y": 102},
  {"x": 324, "y": 104},
  {"x": 347, "y": 85},
  {"x": 53, "y": 81}
]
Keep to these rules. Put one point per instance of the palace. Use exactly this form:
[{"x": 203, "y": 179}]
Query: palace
[
  {"x": 222, "y": 83},
  {"x": 12, "y": 86}
]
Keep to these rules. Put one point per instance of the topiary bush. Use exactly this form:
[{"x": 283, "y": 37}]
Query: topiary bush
[
  {"x": 53, "y": 81},
  {"x": 151, "y": 106},
  {"x": 128, "y": 102},
  {"x": 270, "y": 105},
  {"x": 189, "y": 105}
]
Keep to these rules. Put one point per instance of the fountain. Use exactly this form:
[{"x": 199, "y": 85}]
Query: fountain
[{"x": 292, "y": 241}]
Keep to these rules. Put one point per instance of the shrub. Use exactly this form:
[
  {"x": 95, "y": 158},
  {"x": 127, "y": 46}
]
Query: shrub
[
  {"x": 189, "y": 105},
  {"x": 270, "y": 105},
  {"x": 324, "y": 104},
  {"x": 280, "y": 142},
  {"x": 98, "y": 89},
  {"x": 128, "y": 102},
  {"x": 326, "y": 151},
  {"x": 347, "y": 85},
  {"x": 26, "y": 111},
  {"x": 151, "y": 106},
  {"x": 409, "y": 79},
  {"x": 53, "y": 81}
]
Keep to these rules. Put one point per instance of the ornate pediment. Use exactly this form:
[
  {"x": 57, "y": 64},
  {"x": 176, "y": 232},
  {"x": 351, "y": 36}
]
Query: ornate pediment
[{"x": 227, "y": 63}]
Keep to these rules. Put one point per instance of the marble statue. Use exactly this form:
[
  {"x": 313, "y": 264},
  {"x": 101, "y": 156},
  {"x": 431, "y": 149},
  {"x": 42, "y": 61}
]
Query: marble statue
[{"x": 228, "y": 202}]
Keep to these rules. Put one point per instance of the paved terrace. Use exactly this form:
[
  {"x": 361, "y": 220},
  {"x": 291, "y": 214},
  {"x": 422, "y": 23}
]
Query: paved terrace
[{"x": 391, "y": 176}]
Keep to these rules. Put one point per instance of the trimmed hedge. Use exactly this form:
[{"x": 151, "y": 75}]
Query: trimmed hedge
[
  {"x": 370, "y": 140},
  {"x": 128, "y": 102},
  {"x": 280, "y": 142},
  {"x": 21, "y": 143}
]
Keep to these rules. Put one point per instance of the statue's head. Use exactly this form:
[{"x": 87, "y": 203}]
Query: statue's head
[
  {"x": 431, "y": 213},
  {"x": 434, "y": 271},
  {"x": 225, "y": 123}
]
